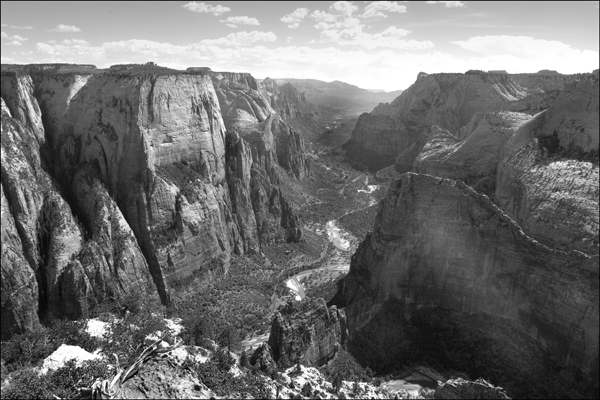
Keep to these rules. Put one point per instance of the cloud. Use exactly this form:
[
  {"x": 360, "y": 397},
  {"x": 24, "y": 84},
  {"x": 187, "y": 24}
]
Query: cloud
[
  {"x": 294, "y": 18},
  {"x": 22, "y": 27},
  {"x": 323, "y": 16},
  {"x": 378, "y": 8},
  {"x": 240, "y": 39},
  {"x": 345, "y": 8},
  {"x": 65, "y": 29},
  {"x": 449, "y": 4},
  {"x": 13, "y": 39},
  {"x": 391, "y": 37},
  {"x": 206, "y": 8},
  {"x": 524, "y": 47},
  {"x": 70, "y": 42},
  {"x": 235, "y": 21},
  {"x": 364, "y": 66}
]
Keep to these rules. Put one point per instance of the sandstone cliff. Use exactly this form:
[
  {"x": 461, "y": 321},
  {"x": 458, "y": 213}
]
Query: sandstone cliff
[
  {"x": 541, "y": 170},
  {"x": 143, "y": 178},
  {"x": 446, "y": 100},
  {"x": 449, "y": 277}
]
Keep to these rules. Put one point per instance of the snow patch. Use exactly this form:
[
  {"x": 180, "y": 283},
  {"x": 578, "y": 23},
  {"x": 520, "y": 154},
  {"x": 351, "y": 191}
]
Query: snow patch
[{"x": 66, "y": 353}]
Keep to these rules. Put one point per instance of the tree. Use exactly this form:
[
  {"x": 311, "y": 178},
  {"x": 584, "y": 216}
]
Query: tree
[{"x": 244, "y": 359}]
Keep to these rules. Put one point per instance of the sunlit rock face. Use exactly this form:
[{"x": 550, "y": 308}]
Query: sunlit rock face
[
  {"x": 132, "y": 178},
  {"x": 542, "y": 170},
  {"x": 444, "y": 256},
  {"x": 446, "y": 100}
]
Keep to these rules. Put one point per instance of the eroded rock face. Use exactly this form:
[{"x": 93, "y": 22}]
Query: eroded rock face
[
  {"x": 473, "y": 159},
  {"x": 156, "y": 187},
  {"x": 310, "y": 334},
  {"x": 446, "y": 100},
  {"x": 443, "y": 254}
]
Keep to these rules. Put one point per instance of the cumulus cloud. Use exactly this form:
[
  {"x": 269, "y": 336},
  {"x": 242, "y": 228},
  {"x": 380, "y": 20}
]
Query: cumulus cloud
[
  {"x": 14, "y": 39},
  {"x": 391, "y": 37},
  {"x": 294, "y": 18},
  {"x": 379, "y": 8},
  {"x": 345, "y": 8},
  {"x": 206, "y": 8},
  {"x": 449, "y": 4},
  {"x": 244, "y": 20},
  {"x": 65, "y": 29}
]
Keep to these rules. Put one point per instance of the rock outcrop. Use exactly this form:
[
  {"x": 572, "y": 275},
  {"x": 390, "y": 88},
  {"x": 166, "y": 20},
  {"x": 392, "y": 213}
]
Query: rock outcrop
[
  {"x": 139, "y": 179},
  {"x": 462, "y": 389},
  {"x": 444, "y": 260},
  {"x": 446, "y": 100},
  {"x": 310, "y": 334}
]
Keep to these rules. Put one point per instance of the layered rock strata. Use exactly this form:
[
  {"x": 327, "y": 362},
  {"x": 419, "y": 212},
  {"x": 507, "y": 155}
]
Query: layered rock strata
[
  {"x": 142, "y": 179},
  {"x": 542, "y": 169},
  {"x": 443, "y": 258},
  {"x": 446, "y": 100}
]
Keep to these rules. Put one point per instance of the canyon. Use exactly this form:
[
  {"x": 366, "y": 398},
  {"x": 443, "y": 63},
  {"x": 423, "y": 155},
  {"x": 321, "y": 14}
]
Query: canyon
[{"x": 466, "y": 209}]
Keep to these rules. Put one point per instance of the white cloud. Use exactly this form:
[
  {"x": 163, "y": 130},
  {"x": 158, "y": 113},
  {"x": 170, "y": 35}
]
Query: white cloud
[
  {"x": 70, "y": 42},
  {"x": 379, "y": 8},
  {"x": 206, "y": 8},
  {"x": 524, "y": 47},
  {"x": 13, "y": 39},
  {"x": 65, "y": 29},
  {"x": 18, "y": 38},
  {"x": 294, "y": 18},
  {"x": 375, "y": 66},
  {"x": 244, "y": 20},
  {"x": 392, "y": 37},
  {"x": 241, "y": 39},
  {"x": 345, "y": 8},
  {"x": 449, "y": 4},
  {"x": 22, "y": 27},
  {"x": 323, "y": 16}
]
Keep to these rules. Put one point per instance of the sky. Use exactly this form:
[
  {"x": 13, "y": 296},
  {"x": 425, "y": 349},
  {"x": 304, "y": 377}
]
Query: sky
[{"x": 374, "y": 45}]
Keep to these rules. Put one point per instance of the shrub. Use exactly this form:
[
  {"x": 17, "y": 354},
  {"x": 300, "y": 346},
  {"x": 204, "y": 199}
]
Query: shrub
[
  {"x": 127, "y": 338},
  {"x": 28, "y": 349},
  {"x": 63, "y": 382}
]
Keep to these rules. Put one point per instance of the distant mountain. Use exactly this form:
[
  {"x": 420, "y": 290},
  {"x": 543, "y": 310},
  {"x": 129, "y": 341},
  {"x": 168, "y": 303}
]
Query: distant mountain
[{"x": 346, "y": 98}]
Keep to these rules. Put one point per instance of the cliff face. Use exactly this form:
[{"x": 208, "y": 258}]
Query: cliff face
[
  {"x": 156, "y": 185},
  {"x": 443, "y": 258},
  {"x": 446, "y": 100},
  {"x": 311, "y": 334},
  {"x": 542, "y": 170},
  {"x": 473, "y": 159}
]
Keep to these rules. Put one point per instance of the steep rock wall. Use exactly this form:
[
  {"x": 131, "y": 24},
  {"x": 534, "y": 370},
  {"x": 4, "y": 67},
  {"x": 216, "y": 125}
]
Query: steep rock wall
[
  {"x": 446, "y": 100},
  {"x": 150, "y": 193},
  {"x": 444, "y": 257}
]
